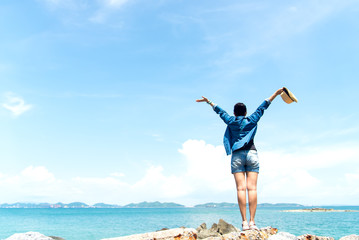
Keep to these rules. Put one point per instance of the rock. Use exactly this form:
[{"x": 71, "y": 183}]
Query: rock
[
  {"x": 29, "y": 236},
  {"x": 262, "y": 234},
  {"x": 56, "y": 238},
  {"x": 282, "y": 236},
  {"x": 224, "y": 227},
  {"x": 163, "y": 229},
  {"x": 201, "y": 227},
  {"x": 313, "y": 237},
  {"x": 207, "y": 233},
  {"x": 350, "y": 237},
  {"x": 171, "y": 234},
  {"x": 226, "y": 231},
  {"x": 203, "y": 232},
  {"x": 216, "y": 230}
]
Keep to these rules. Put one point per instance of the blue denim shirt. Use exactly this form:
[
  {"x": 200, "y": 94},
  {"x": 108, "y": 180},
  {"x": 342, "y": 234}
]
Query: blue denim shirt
[{"x": 240, "y": 130}]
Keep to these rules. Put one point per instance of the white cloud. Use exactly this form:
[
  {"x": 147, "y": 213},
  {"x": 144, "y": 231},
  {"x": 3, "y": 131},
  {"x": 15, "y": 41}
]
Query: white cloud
[
  {"x": 352, "y": 182},
  {"x": 353, "y": 177},
  {"x": 312, "y": 176},
  {"x": 155, "y": 183},
  {"x": 304, "y": 177},
  {"x": 16, "y": 105},
  {"x": 207, "y": 166},
  {"x": 37, "y": 174}
]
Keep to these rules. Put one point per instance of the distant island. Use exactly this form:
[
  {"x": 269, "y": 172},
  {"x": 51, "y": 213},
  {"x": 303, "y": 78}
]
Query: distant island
[
  {"x": 97, "y": 205},
  {"x": 319, "y": 210},
  {"x": 139, "y": 205},
  {"x": 235, "y": 205}
]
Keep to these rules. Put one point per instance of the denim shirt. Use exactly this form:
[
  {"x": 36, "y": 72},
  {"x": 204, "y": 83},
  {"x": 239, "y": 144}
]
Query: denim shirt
[{"x": 240, "y": 130}]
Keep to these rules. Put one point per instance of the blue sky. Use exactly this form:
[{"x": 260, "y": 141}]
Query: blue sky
[{"x": 98, "y": 99}]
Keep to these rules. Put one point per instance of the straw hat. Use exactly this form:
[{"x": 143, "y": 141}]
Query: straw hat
[{"x": 288, "y": 96}]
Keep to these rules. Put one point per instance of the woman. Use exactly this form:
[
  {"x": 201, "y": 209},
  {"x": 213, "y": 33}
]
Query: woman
[{"x": 239, "y": 141}]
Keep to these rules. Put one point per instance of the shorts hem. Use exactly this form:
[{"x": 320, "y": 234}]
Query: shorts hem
[{"x": 238, "y": 171}]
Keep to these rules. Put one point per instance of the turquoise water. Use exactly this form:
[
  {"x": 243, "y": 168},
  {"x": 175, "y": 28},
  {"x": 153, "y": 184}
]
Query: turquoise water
[{"x": 94, "y": 224}]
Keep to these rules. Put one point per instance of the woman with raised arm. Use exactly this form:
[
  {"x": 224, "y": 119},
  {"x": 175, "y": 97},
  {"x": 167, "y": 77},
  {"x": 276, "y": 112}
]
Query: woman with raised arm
[{"x": 239, "y": 141}]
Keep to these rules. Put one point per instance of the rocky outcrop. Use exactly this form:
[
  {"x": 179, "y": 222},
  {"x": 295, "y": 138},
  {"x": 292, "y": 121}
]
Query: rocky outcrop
[
  {"x": 171, "y": 234},
  {"x": 31, "y": 236},
  {"x": 262, "y": 234},
  {"x": 219, "y": 231}
]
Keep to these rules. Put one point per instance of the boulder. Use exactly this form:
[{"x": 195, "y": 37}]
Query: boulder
[
  {"x": 216, "y": 230},
  {"x": 171, "y": 234},
  {"x": 28, "y": 236},
  {"x": 203, "y": 232},
  {"x": 350, "y": 237},
  {"x": 224, "y": 227}
]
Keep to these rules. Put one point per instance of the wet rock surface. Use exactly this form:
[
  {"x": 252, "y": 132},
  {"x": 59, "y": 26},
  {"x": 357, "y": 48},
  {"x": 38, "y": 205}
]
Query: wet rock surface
[
  {"x": 32, "y": 236},
  {"x": 350, "y": 237}
]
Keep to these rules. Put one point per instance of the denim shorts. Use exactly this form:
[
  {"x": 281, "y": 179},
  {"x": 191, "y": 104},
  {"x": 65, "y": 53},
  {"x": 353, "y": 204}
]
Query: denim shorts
[{"x": 245, "y": 161}]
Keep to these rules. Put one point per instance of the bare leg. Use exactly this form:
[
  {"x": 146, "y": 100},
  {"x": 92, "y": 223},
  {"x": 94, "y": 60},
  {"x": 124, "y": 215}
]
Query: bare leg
[
  {"x": 240, "y": 179},
  {"x": 252, "y": 193}
]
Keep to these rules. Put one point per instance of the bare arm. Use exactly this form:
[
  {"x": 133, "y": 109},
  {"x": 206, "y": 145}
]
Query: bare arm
[
  {"x": 278, "y": 92},
  {"x": 204, "y": 99}
]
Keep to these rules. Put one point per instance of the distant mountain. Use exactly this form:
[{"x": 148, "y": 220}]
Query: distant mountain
[
  {"x": 235, "y": 205},
  {"x": 45, "y": 205},
  {"x": 77, "y": 205},
  {"x": 104, "y": 205},
  {"x": 280, "y": 205},
  {"x": 142, "y": 205},
  {"x": 217, "y": 205},
  {"x": 25, "y": 205},
  {"x": 154, "y": 205}
]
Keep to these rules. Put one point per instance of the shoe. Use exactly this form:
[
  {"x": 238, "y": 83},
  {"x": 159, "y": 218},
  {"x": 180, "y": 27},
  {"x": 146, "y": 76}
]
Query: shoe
[
  {"x": 245, "y": 226},
  {"x": 252, "y": 226}
]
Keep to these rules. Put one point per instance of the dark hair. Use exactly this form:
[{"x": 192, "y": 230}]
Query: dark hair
[{"x": 240, "y": 109}]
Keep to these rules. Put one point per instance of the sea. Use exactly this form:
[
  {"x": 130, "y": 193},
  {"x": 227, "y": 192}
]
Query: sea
[{"x": 99, "y": 223}]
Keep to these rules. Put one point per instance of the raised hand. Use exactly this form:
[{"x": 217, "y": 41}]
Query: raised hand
[
  {"x": 279, "y": 91},
  {"x": 204, "y": 99}
]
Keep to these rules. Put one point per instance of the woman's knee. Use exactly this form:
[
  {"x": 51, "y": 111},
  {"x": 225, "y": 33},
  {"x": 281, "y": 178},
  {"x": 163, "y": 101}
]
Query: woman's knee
[
  {"x": 241, "y": 187},
  {"x": 251, "y": 187}
]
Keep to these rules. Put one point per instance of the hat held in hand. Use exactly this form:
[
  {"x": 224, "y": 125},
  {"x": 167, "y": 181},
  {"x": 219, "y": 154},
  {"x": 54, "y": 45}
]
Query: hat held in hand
[{"x": 288, "y": 96}]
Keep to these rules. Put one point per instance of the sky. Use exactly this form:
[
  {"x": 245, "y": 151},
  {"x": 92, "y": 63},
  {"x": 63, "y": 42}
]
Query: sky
[{"x": 97, "y": 99}]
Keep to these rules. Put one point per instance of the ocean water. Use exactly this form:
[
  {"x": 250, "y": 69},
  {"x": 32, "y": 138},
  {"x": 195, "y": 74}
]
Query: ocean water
[{"x": 95, "y": 224}]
